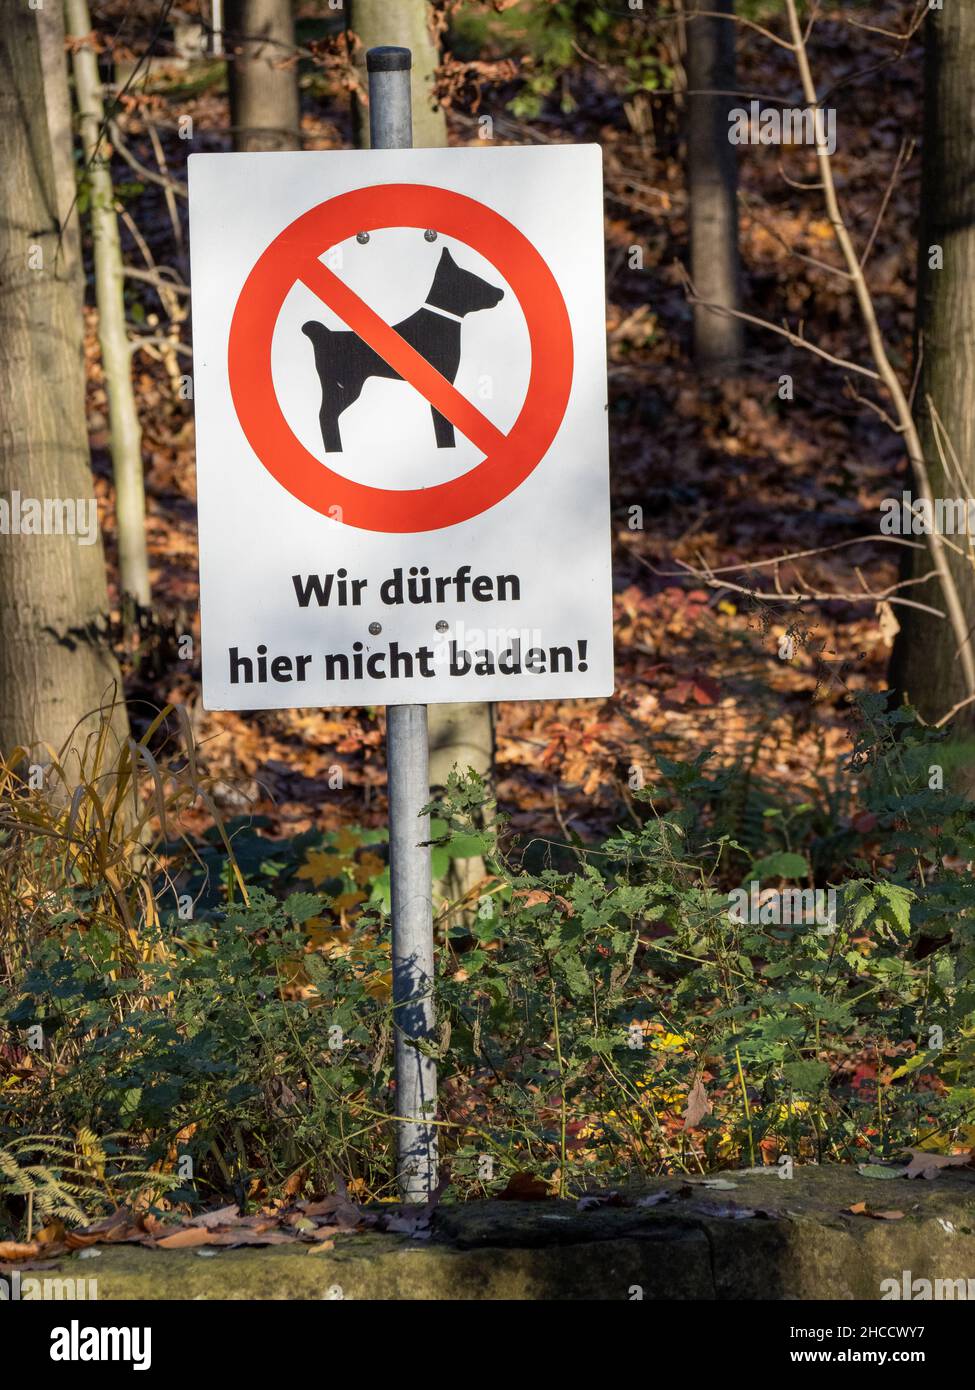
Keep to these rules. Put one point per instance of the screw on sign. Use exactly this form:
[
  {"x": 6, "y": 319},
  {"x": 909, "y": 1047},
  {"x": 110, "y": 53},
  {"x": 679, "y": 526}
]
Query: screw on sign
[{"x": 294, "y": 256}]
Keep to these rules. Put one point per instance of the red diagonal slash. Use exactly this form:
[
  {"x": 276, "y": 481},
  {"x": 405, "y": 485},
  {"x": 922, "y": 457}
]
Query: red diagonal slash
[{"x": 403, "y": 358}]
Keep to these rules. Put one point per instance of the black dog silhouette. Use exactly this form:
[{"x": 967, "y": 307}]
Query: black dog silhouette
[{"x": 344, "y": 362}]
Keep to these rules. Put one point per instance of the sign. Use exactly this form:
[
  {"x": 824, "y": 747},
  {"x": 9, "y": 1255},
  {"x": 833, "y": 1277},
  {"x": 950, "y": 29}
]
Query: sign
[{"x": 400, "y": 391}]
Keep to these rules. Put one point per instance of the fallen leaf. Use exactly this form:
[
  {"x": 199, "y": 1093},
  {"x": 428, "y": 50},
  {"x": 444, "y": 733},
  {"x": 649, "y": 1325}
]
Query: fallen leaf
[
  {"x": 600, "y": 1199},
  {"x": 190, "y": 1236},
  {"x": 525, "y": 1187},
  {"x": 19, "y": 1249},
  {"x": 52, "y": 1234},
  {"x": 246, "y": 1237},
  {"x": 532, "y": 896},
  {"x": 223, "y": 1216},
  {"x": 730, "y": 1210},
  {"x": 324, "y": 1233},
  {"x": 74, "y": 1240},
  {"x": 186, "y": 1238},
  {"x": 862, "y": 1209},
  {"x": 879, "y": 1170},
  {"x": 23, "y": 1265},
  {"x": 698, "y": 1105},
  {"x": 295, "y": 1183},
  {"x": 325, "y": 1207},
  {"x": 928, "y": 1165}
]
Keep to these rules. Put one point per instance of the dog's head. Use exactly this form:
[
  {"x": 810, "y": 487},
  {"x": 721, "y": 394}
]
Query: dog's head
[{"x": 460, "y": 291}]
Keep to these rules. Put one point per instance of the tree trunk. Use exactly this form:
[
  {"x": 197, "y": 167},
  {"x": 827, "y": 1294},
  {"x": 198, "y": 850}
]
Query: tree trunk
[
  {"x": 461, "y": 736},
  {"x": 264, "y": 106},
  {"x": 55, "y": 662},
  {"x": 712, "y": 178},
  {"x": 113, "y": 337},
  {"x": 925, "y": 666},
  {"x": 402, "y": 23}
]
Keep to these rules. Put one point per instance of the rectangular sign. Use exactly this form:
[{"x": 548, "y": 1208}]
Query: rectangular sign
[{"x": 400, "y": 394}]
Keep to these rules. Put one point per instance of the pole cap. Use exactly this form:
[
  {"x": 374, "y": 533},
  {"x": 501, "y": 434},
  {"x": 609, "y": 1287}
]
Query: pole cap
[{"x": 388, "y": 59}]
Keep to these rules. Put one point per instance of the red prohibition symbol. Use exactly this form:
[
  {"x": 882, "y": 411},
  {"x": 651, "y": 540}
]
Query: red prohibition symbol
[{"x": 293, "y": 257}]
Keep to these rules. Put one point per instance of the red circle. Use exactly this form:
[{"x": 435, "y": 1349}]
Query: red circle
[{"x": 271, "y": 280}]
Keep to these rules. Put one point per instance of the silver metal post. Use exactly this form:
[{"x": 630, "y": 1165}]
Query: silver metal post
[
  {"x": 391, "y": 128},
  {"x": 390, "y": 98}
]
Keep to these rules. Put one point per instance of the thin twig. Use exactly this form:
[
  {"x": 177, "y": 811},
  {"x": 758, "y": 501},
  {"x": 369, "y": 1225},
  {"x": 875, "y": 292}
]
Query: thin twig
[
  {"x": 735, "y": 19},
  {"x": 162, "y": 180},
  {"x": 793, "y": 338},
  {"x": 903, "y": 156}
]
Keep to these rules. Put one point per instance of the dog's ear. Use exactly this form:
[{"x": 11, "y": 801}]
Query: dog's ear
[{"x": 445, "y": 255}]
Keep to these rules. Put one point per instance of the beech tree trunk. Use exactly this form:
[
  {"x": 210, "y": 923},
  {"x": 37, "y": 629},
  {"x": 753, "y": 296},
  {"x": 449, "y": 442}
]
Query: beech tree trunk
[
  {"x": 403, "y": 23},
  {"x": 56, "y": 665},
  {"x": 113, "y": 337},
  {"x": 263, "y": 75},
  {"x": 712, "y": 178},
  {"x": 925, "y": 667}
]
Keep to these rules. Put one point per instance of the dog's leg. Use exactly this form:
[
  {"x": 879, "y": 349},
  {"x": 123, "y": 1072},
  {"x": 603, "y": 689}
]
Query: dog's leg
[
  {"x": 443, "y": 429},
  {"x": 331, "y": 434}
]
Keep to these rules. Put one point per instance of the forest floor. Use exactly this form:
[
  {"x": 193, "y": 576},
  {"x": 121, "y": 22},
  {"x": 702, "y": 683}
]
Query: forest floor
[{"x": 727, "y": 474}]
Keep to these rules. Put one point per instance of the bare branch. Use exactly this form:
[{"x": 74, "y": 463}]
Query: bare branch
[
  {"x": 917, "y": 19},
  {"x": 793, "y": 338},
  {"x": 737, "y": 19},
  {"x": 797, "y": 555},
  {"x": 960, "y": 704},
  {"x": 703, "y": 574},
  {"x": 144, "y": 342},
  {"x": 169, "y": 191},
  {"x": 876, "y": 408},
  {"x": 163, "y": 180},
  {"x": 159, "y": 277},
  {"x": 902, "y": 159}
]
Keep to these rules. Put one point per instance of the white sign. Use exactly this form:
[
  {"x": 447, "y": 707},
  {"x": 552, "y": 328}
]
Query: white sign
[{"x": 400, "y": 390}]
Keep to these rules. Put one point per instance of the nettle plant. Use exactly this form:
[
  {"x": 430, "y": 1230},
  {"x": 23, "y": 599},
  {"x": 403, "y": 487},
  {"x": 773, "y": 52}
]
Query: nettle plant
[
  {"x": 604, "y": 1011},
  {"x": 616, "y": 1012}
]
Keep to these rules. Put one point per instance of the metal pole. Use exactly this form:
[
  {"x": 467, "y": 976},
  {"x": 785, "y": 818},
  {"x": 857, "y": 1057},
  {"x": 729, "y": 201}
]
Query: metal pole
[
  {"x": 390, "y": 98},
  {"x": 391, "y": 128}
]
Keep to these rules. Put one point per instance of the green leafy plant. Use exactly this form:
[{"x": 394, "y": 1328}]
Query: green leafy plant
[{"x": 602, "y": 1010}]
